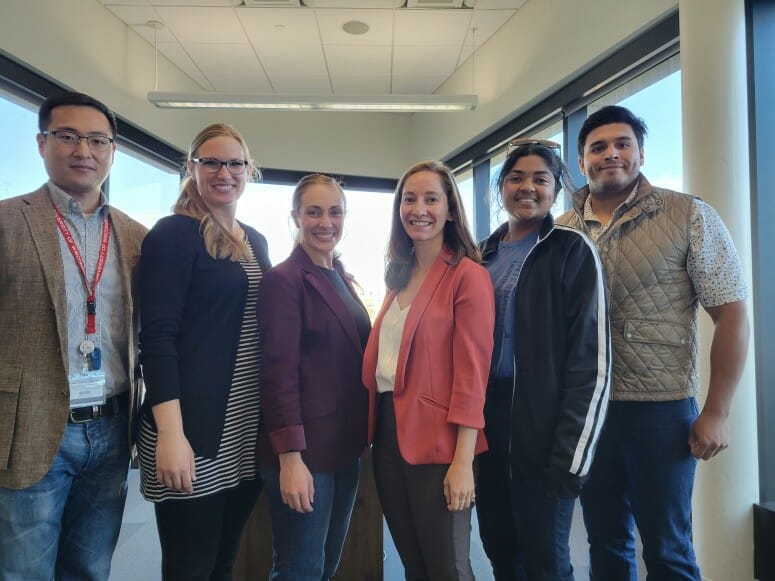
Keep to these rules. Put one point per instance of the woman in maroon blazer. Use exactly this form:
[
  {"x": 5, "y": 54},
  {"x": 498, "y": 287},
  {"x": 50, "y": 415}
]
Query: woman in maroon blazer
[
  {"x": 427, "y": 363},
  {"x": 314, "y": 329}
]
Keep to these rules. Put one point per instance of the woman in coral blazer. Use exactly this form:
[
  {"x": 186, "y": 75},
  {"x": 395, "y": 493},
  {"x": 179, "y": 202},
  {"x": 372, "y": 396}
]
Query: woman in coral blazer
[{"x": 426, "y": 366}]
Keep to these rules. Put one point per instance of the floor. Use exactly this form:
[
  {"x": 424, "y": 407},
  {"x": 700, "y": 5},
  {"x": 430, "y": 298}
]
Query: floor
[{"x": 138, "y": 556}]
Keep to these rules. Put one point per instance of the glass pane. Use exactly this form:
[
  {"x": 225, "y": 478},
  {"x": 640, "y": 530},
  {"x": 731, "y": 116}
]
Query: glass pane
[
  {"x": 465, "y": 185},
  {"x": 21, "y": 167},
  {"x": 144, "y": 191},
  {"x": 655, "y": 96}
]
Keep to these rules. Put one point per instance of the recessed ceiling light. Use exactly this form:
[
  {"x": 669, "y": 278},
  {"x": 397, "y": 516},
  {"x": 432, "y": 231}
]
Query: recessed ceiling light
[{"x": 355, "y": 27}]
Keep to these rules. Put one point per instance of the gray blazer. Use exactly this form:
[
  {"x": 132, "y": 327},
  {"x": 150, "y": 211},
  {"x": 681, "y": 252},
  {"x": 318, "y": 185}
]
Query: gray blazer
[{"x": 34, "y": 392}]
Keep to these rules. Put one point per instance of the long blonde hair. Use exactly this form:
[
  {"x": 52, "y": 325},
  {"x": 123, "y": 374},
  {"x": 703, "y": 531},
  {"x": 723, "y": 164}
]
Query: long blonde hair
[{"x": 219, "y": 240}]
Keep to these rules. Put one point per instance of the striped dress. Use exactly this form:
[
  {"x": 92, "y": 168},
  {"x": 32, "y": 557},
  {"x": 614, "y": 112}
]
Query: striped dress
[{"x": 236, "y": 458}]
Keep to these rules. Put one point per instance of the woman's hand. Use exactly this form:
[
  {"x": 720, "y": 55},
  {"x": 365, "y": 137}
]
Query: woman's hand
[
  {"x": 296, "y": 486},
  {"x": 175, "y": 466},
  {"x": 459, "y": 487}
]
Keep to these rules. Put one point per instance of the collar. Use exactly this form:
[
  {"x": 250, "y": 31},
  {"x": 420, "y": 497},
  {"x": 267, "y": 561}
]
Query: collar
[
  {"x": 69, "y": 206},
  {"x": 589, "y": 213}
]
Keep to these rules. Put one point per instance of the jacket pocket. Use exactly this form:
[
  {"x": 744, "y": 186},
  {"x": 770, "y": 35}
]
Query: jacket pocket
[
  {"x": 434, "y": 402},
  {"x": 657, "y": 333},
  {"x": 10, "y": 382}
]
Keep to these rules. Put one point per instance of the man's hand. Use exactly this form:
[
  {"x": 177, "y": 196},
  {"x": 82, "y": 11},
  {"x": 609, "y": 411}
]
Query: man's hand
[{"x": 709, "y": 435}]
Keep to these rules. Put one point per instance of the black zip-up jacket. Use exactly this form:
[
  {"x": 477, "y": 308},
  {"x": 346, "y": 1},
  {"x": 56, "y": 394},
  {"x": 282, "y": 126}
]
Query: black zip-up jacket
[{"x": 562, "y": 357}]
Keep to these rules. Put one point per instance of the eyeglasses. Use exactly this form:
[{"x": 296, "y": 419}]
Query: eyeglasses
[
  {"x": 235, "y": 166},
  {"x": 72, "y": 139},
  {"x": 520, "y": 141}
]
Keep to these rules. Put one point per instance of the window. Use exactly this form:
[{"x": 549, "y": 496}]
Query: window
[
  {"x": 142, "y": 189},
  {"x": 267, "y": 207},
  {"x": 655, "y": 96},
  {"x": 22, "y": 168}
]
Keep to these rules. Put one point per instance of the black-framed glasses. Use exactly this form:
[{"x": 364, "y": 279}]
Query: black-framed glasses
[
  {"x": 520, "y": 141},
  {"x": 72, "y": 139},
  {"x": 213, "y": 165}
]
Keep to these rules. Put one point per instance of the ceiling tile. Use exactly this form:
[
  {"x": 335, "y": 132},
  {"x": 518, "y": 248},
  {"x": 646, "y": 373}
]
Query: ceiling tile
[
  {"x": 353, "y": 60},
  {"x": 162, "y": 35},
  {"x": 429, "y": 60},
  {"x": 380, "y": 26},
  {"x": 195, "y": 3},
  {"x": 125, "y": 2},
  {"x": 487, "y": 23},
  {"x": 498, "y": 4},
  {"x": 432, "y": 27},
  {"x": 416, "y": 85},
  {"x": 200, "y": 79},
  {"x": 361, "y": 84},
  {"x": 301, "y": 60},
  {"x": 224, "y": 58},
  {"x": 202, "y": 24},
  {"x": 138, "y": 14},
  {"x": 272, "y": 26},
  {"x": 354, "y": 3},
  {"x": 175, "y": 53},
  {"x": 294, "y": 84},
  {"x": 240, "y": 83}
]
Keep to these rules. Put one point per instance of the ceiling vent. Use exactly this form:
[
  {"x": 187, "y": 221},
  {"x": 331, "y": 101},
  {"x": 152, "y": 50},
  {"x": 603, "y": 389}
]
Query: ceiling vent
[
  {"x": 434, "y": 4},
  {"x": 273, "y": 3}
]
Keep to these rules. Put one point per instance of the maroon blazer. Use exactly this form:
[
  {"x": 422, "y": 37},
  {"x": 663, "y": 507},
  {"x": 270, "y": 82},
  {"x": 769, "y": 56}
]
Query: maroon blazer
[{"x": 311, "y": 391}]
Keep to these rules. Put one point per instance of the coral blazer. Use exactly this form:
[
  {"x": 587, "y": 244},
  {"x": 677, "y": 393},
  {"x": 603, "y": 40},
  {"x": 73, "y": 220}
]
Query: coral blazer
[{"x": 443, "y": 361}]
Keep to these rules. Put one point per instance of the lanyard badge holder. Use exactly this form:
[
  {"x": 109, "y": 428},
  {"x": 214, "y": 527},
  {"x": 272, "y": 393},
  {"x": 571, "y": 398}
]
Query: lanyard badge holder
[{"x": 88, "y": 387}]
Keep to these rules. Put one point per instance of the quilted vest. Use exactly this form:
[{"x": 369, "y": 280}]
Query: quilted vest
[{"x": 653, "y": 304}]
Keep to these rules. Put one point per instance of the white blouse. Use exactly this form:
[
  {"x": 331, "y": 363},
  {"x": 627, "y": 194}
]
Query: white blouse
[{"x": 389, "y": 343}]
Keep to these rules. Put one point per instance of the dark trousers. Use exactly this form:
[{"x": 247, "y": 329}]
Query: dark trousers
[
  {"x": 200, "y": 536},
  {"x": 524, "y": 531},
  {"x": 642, "y": 474},
  {"x": 432, "y": 541}
]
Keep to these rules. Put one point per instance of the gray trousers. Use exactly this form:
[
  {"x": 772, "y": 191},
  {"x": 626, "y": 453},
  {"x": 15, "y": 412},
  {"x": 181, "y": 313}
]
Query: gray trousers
[{"x": 432, "y": 541}]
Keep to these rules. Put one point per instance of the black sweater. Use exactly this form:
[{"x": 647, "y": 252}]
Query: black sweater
[
  {"x": 191, "y": 309},
  {"x": 562, "y": 357}
]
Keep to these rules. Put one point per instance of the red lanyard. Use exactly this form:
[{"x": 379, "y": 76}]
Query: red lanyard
[{"x": 91, "y": 290}]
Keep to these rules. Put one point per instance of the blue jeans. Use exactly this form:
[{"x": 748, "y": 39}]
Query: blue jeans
[
  {"x": 524, "y": 532},
  {"x": 308, "y": 546},
  {"x": 66, "y": 525},
  {"x": 642, "y": 475}
]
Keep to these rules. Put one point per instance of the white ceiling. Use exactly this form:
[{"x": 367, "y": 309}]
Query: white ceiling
[{"x": 227, "y": 46}]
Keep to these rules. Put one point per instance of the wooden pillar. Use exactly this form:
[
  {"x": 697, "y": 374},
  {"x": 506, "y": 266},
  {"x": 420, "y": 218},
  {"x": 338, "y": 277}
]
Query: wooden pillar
[{"x": 362, "y": 557}]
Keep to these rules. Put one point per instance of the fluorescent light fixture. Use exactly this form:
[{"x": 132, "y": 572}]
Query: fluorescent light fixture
[{"x": 373, "y": 103}]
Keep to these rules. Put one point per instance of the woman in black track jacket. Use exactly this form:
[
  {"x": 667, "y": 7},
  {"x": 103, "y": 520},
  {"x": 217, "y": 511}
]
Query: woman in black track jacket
[{"x": 550, "y": 374}]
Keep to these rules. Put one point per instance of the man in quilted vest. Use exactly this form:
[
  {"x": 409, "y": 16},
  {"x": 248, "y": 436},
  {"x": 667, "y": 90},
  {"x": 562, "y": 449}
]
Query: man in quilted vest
[{"x": 664, "y": 253}]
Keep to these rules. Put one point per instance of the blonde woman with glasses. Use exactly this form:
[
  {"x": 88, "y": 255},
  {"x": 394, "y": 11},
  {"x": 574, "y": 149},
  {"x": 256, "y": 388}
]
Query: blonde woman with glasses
[{"x": 199, "y": 347}]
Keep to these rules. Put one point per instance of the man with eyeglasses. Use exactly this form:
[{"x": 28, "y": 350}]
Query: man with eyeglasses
[
  {"x": 664, "y": 252},
  {"x": 67, "y": 354}
]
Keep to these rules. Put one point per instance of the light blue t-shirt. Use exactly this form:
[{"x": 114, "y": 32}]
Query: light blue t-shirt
[{"x": 504, "y": 267}]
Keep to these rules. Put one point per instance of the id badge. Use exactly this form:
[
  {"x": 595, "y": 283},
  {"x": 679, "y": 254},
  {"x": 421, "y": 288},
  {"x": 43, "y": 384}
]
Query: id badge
[{"x": 87, "y": 388}]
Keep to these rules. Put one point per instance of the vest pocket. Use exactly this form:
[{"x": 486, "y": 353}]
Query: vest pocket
[{"x": 657, "y": 333}]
